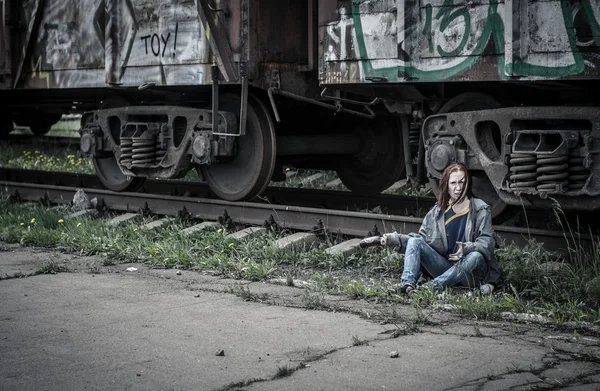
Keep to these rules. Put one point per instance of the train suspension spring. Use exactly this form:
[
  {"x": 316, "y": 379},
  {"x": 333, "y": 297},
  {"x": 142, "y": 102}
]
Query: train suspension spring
[
  {"x": 554, "y": 173},
  {"x": 141, "y": 151}
]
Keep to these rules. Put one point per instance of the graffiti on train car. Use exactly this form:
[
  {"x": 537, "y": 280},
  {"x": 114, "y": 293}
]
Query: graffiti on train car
[
  {"x": 160, "y": 41},
  {"x": 432, "y": 40}
]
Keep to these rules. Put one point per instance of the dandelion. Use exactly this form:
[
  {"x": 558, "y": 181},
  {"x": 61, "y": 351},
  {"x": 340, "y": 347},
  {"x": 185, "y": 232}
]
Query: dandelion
[
  {"x": 78, "y": 224},
  {"x": 219, "y": 230},
  {"x": 61, "y": 221},
  {"x": 33, "y": 220}
]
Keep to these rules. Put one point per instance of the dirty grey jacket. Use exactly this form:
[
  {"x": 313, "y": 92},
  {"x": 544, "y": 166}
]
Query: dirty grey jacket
[{"x": 479, "y": 235}]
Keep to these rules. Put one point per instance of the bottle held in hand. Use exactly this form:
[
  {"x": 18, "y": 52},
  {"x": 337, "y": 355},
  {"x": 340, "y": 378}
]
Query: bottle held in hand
[{"x": 371, "y": 241}]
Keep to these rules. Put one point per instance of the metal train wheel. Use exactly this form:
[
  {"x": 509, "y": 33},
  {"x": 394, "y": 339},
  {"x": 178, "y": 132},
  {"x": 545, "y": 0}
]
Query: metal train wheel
[
  {"x": 380, "y": 164},
  {"x": 41, "y": 123},
  {"x": 482, "y": 186},
  {"x": 6, "y": 124},
  {"x": 249, "y": 172},
  {"x": 107, "y": 168}
]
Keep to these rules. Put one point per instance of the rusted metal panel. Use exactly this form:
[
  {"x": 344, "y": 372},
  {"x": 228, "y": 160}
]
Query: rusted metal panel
[
  {"x": 450, "y": 40},
  {"x": 97, "y": 43},
  {"x": 89, "y": 43}
]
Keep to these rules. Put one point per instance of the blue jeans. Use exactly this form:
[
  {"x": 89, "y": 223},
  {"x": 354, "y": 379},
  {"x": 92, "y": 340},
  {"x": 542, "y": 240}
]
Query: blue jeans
[{"x": 466, "y": 272}]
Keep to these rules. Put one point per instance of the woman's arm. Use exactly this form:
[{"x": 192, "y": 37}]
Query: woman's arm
[{"x": 484, "y": 234}]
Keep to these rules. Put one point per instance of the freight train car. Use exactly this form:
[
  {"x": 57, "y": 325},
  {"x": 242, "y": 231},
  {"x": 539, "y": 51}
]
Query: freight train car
[
  {"x": 373, "y": 89},
  {"x": 509, "y": 87},
  {"x": 228, "y": 88}
]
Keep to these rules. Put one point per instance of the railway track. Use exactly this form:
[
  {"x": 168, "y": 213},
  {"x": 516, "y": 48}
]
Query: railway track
[
  {"x": 338, "y": 200},
  {"x": 295, "y": 218}
]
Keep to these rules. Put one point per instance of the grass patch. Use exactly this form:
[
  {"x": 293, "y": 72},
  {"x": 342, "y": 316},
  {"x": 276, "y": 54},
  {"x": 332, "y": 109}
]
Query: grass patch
[
  {"x": 247, "y": 295},
  {"x": 53, "y": 268},
  {"x": 534, "y": 281},
  {"x": 283, "y": 371},
  {"x": 46, "y": 158}
]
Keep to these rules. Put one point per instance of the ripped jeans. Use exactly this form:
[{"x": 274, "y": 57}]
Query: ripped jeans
[{"x": 466, "y": 272}]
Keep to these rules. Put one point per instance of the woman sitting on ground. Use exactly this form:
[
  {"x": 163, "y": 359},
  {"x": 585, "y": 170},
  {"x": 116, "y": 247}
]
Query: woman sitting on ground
[{"x": 455, "y": 243}]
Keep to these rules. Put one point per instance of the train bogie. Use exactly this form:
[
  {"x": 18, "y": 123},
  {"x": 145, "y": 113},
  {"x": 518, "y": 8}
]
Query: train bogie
[{"x": 505, "y": 86}]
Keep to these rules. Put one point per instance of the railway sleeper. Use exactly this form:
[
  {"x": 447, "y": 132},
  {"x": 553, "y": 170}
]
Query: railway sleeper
[{"x": 158, "y": 141}]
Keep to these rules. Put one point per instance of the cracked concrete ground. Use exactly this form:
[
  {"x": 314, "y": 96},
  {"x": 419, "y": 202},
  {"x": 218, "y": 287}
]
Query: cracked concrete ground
[{"x": 101, "y": 327}]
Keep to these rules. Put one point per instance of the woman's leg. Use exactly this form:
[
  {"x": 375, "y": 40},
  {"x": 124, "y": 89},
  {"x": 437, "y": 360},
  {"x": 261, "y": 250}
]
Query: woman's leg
[
  {"x": 461, "y": 272},
  {"x": 420, "y": 253}
]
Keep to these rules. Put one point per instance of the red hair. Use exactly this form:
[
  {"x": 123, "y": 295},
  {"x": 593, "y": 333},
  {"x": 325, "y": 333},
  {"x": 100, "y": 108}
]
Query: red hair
[{"x": 443, "y": 196}]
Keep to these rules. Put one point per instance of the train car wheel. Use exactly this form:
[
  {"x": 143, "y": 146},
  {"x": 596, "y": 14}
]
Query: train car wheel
[
  {"x": 482, "y": 186},
  {"x": 6, "y": 124},
  {"x": 43, "y": 122},
  {"x": 249, "y": 172},
  {"x": 380, "y": 164},
  {"x": 107, "y": 168}
]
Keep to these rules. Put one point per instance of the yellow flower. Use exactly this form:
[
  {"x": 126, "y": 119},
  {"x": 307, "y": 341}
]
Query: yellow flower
[
  {"x": 287, "y": 168},
  {"x": 135, "y": 229},
  {"x": 61, "y": 221},
  {"x": 22, "y": 224},
  {"x": 33, "y": 220},
  {"x": 230, "y": 244},
  {"x": 219, "y": 230},
  {"x": 79, "y": 224}
]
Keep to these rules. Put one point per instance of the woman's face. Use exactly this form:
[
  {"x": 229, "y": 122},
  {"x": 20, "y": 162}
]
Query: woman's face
[{"x": 456, "y": 183}]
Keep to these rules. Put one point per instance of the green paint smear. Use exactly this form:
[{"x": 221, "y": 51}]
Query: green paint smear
[{"x": 494, "y": 28}]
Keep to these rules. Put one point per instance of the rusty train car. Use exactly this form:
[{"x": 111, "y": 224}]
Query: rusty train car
[{"x": 376, "y": 90}]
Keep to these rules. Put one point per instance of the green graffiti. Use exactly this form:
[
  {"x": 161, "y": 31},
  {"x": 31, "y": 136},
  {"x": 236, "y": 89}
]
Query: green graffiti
[
  {"x": 427, "y": 28},
  {"x": 447, "y": 18},
  {"x": 493, "y": 29},
  {"x": 592, "y": 20}
]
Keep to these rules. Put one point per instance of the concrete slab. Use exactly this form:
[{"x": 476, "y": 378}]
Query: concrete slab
[
  {"x": 124, "y": 218},
  {"x": 156, "y": 224},
  {"x": 296, "y": 240},
  {"x": 246, "y": 233},
  {"x": 345, "y": 249},
  {"x": 333, "y": 184},
  {"x": 395, "y": 186},
  {"x": 206, "y": 225},
  {"x": 158, "y": 329},
  {"x": 78, "y": 331},
  {"x": 82, "y": 213}
]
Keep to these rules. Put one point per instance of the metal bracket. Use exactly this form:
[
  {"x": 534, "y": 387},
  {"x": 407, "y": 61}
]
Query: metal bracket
[
  {"x": 354, "y": 102},
  {"x": 31, "y": 32},
  {"x": 244, "y": 101},
  {"x": 337, "y": 107},
  {"x": 219, "y": 43}
]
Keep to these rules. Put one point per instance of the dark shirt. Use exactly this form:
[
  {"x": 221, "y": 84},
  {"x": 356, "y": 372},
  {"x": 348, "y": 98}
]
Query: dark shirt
[{"x": 455, "y": 228}]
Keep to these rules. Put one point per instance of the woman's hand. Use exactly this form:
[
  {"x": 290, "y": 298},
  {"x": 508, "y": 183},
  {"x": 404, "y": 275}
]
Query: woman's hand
[{"x": 458, "y": 254}]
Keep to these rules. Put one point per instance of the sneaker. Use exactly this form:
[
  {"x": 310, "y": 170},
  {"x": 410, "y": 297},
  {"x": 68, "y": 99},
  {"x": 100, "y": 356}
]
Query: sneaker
[
  {"x": 486, "y": 289},
  {"x": 409, "y": 290}
]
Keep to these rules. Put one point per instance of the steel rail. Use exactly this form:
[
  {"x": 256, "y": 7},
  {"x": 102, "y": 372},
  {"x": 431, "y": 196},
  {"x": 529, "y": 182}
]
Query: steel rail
[
  {"x": 354, "y": 224},
  {"x": 394, "y": 204}
]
